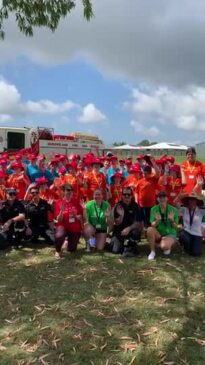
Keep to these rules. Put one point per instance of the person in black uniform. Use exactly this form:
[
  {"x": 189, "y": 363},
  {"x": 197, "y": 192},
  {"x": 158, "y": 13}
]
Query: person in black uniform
[
  {"x": 127, "y": 225},
  {"x": 12, "y": 220},
  {"x": 37, "y": 218}
]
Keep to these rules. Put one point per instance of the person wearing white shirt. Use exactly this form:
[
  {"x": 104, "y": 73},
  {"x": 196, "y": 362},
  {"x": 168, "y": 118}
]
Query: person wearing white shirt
[{"x": 192, "y": 213}]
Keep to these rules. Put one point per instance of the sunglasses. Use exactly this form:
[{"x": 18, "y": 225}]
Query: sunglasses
[
  {"x": 34, "y": 192},
  {"x": 68, "y": 189},
  {"x": 126, "y": 194},
  {"x": 12, "y": 194}
]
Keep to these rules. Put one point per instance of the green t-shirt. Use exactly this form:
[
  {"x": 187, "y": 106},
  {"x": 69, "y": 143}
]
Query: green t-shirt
[
  {"x": 164, "y": 227},
  {"x": 96, "y": 214}
]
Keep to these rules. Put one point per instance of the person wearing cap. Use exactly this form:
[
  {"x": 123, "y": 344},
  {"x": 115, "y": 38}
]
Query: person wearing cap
[
  {"x": 72, "y": 178},
  {"x": 37, "y": 217},
  {"x": 18, "y": 179},
  {"x": 112, "y": 169},
  {"x": 146, "y": 189},
  {"x": 172, "y": 183},
  {"x": 97, "y": 219},
  {"x": 164, "y": 223},
  {"x": 12, "y": 220},
  {"x": 116, "y": 188},
  {"x": 192, "y": 212},
  {"x": 95, "y": 179},
  {"x": 68, "y": 214},
  {"x": 32, "y": 170},
  {"x": 193, "y": 172},
  {"x": 43, "y": 170},
  {"x": 127, "y": 225},
  {"x": 59, "y": 181},
  {"x": 133, "y": 178}
]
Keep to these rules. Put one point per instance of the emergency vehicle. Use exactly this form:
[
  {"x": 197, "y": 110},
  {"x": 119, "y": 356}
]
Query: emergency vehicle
[{"x": 43, "y": 140}]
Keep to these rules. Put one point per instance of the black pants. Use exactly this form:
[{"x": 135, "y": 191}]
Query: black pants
[
  {"x": 192, "y": 244},
  {"x": 117, "y": 241},
  {"x": 41, "y": 231},
  {"x": 10, "y": 238}
]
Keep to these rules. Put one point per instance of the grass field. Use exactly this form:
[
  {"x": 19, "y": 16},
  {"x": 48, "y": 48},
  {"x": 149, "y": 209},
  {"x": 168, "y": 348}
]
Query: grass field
[{"x": 101, "y": 309}]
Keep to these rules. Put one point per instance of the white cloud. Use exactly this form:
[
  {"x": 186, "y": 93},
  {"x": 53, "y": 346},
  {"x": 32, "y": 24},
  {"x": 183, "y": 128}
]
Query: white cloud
[
  {"x": 158, "y": 44},
  {"x": 90, "y": 114},
  {"x": 184, "y": 110},
  {"x": 11, "y": 104},
  {"x": 152, "y": 131}
]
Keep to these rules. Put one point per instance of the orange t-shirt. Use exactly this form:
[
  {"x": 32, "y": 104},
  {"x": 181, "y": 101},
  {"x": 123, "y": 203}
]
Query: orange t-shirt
[
  {"x": 73, "y": 180},
  {"x": 132, "y": 181},
  {"x": 192, "y": 171},
  {"x": 95, "y": 181},
  {"x": 146, "y": 191},
  {"x": 20, "y": 183},
  {"x": 173, "y": 188},
  {"x": 3, "y": 192},
  {"x": 116, "y": 193}
]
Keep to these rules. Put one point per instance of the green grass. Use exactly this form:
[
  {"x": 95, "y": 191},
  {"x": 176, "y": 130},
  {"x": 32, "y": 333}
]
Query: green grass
[{"x": 101, "y": 309}]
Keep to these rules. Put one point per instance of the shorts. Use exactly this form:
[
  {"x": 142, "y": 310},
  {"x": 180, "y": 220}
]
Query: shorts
[{"x": 100, "y": 230}]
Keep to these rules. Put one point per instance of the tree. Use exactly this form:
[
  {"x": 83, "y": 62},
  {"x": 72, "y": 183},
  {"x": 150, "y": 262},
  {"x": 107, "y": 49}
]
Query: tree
[
  {"x": 117, "y": 144},
  {"x": 39, "y": 13},
  {"x": 144, "y": 142}
]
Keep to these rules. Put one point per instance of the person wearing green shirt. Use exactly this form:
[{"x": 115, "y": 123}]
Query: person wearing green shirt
[
  {"x": 97, "y": 217},
  {"x": 163, "y": 230}
]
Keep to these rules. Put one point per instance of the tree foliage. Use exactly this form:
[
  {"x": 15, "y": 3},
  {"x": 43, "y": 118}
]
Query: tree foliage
[
  {"x": 144, "y": 142},
  {"x": 117, "y": 144},
  {"x": 39, "y": 13}
]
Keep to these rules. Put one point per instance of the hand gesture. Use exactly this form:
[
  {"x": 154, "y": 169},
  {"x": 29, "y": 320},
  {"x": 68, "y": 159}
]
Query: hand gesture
[
  {"x": 107, "y": 213},
  {"x": 32, "y": 185},
  {"x": 171, "y": 215},
  {"x": 200, "y": 180},
  {"x": 125, "y": 231},
  {"x": 157, "y": 216}
]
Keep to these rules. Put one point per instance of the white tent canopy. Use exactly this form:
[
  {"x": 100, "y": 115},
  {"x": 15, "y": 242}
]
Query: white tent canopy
[
  {"x": 126, "y": 147},
  {"x": 166, "y": 146}
]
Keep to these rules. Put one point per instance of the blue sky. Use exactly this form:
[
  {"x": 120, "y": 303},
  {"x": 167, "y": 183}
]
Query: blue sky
[{"x": 133, "y": 72}]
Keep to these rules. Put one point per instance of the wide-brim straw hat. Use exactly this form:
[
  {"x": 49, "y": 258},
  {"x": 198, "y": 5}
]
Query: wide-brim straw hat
[{"x": 199, "y": 197}]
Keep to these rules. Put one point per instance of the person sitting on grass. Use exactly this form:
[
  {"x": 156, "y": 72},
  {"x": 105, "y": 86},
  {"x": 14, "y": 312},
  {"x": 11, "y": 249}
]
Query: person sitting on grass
[
  {"x": 97, "y": 219},
  {"x": 68, "y": 214},
  {"x": 127, "y": 225},
  {"x": 192, "y": 213},
  {"x": 164, "y": 223},
  {"x": 12, "y": 220}
]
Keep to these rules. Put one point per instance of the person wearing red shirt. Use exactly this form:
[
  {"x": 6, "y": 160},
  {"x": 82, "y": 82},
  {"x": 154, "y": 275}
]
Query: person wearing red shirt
[
  {"x": 132, "y": 180},
  {"x": 18, "y": 180},
  {"x": 146, "y": 189},
  {"x": 59, "y": 181},
  {"x": 3, "y": 185},
  {"x": 72, "y": 178},
  {"x": 95, "y": 179},
  {"x": 69, "y": 214},
  {"x": 192, "y": 172}
]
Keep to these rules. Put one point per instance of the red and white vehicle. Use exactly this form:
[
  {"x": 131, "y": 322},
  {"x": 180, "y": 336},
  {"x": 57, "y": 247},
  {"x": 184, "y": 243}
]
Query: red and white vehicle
[{"x": 43, "y": 140}]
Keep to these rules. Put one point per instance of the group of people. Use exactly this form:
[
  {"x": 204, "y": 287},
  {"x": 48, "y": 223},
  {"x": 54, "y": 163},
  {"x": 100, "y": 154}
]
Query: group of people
[{"x": 69, "y": 197}]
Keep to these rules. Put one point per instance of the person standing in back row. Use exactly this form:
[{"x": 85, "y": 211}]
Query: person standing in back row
[{"x": 193, "y": 171}]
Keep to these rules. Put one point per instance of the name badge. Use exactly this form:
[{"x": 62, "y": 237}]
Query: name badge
[
  {"x": 172, "y": 194},
  {"x": 98, "y": 226},
  {"x": 191, "y": 176},
  {"x": 71, "y": 220}
]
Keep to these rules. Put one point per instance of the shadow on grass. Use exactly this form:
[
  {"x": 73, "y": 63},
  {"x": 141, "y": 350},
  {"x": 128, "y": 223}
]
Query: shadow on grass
[{"x": 100, "y": 309}]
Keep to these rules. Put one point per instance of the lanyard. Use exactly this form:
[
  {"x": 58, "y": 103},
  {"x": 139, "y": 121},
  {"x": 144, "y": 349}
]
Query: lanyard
[
  {"x": 98, "y": 213},
  {"x": 164, "y": 216},
  {"x": 191, "y": 216}
]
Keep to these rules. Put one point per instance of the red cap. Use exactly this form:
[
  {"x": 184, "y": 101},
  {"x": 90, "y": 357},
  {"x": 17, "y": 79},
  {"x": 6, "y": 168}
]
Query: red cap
[
  {"x": 170, "y": 159},
  {"x": 159, "y": 162},
  {"x": 117, "y": 174},
  {"x": 54, "y": 161},
  {"x": 3, "y": 162},
  {"x": 32, "y": 157},
  {"x": 163, "y": 160},
  {"x": 5, "y": 156},
  {"x": 41, "y": 180},
  {"x": 62, "y": 157},
  {"x": 96, "y": 161},
  {"x": 17, "y": 165},
  {"x": 2, "y": 174},
  {"x": 18, "y": 157},
  {"x": 128, "y": 162},
  {"x": 62, "y": 170},
  {"x": 135, "y": 168},
  {"x": 175, "y": 168},
  {"x": 57, "y": 155},
  {"x": 140, "y": 157},
  {"x": 114, "y": 157},
  {"x": 72, "y": 164}
]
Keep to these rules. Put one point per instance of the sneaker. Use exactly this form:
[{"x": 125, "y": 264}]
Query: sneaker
[
  {"x": 167, "y": 252},
  {"x": 88, "y": 249},
  {"x": 152, "y": 255},
  {"x": 58, "y": 255}
]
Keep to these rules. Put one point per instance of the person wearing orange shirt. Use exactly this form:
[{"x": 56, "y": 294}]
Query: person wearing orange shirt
[
  {"x": 146, "y": 189},
  {"x": 18, "y": 179},
  {"x": 192, "y": 172},
  {"x": 3, "y": 185},
  {"x": 72, "y": 178},
  {"x": 132, "y": 180},
  {"x": 59, "y": 181},
  {"x": 116, "y": 188},
  {"x": 95, "y": 179},
  {"x": 172, "y": 184}
]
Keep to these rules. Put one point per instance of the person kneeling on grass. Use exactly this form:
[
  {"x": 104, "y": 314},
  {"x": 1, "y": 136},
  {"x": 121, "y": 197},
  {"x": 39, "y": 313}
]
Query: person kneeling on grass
[
  {"x": 97, "y": 218},
  {"x": 163, "y": 230},
  {"x": 69, "y": 214},
  {"x": 192, "y": 213},
  {"x": 127, "y": 225}
]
